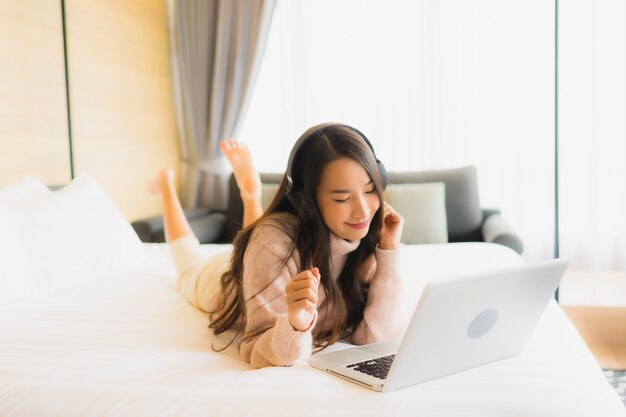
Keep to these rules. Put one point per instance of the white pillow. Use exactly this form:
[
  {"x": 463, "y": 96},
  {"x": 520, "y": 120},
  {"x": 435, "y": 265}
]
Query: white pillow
[
  {"x": 423, "y": 207},
  {"x": 28, "y": 188},
  {"x": 16, "y": 283},
  {"x": 77, "y": 231},
  {"x": 16, "y": 278}
]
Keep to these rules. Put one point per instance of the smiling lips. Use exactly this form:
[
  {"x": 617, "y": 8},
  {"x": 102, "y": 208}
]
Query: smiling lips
[{"x": 359, "y": 226}]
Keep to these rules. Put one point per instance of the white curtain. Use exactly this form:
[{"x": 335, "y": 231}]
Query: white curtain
[
  {"x": 216, "y": 49},
  {"x": 592, "y": 125},
  {"x": 433, "y": 84}
]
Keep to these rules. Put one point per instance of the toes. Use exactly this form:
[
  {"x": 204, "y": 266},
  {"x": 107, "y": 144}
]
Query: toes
[
  {"x": 168, "y": 174},
  {"x": 154, "y": 186},
  {"x": 226, "y": 145}
]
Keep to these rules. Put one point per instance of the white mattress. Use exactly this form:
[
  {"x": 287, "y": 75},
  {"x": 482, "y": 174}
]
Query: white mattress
[{"x": 130, "y": 345}]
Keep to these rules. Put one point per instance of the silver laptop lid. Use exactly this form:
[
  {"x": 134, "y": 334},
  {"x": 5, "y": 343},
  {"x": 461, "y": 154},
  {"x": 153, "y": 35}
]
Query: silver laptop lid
[{"x": 467, "y": 321}]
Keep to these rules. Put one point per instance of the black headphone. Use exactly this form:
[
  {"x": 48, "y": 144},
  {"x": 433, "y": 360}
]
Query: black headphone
[{"x": 316, "y": 132}]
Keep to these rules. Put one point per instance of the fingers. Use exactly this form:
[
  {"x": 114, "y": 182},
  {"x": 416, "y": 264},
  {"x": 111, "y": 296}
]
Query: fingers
[
  {"x": 306, "y": 293},
  {"x": 391, "y": 229},
  {"x": 301, "y": 296},
  {"x": 303, "y": 286},
  {"x": 307, "y": 274},
  {"x": 305, "y": 305},
  {"x": 298, "y": 285},
  {"x": 387, "y": 209},
  {"x": 316, "y": 272},
  {"x": 390, "y": 215},
  {"x": 305, "y": 279}
]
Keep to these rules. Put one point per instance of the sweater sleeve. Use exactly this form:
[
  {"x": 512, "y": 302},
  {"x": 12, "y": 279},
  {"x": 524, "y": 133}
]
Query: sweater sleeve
[
  {"x": 384, "y": 317},
  {"x": 269, "y": 338}
]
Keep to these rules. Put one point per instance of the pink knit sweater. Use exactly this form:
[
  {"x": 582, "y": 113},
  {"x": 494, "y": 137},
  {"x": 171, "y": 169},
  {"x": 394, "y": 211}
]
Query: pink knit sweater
[{"x": 276, "y": 342}]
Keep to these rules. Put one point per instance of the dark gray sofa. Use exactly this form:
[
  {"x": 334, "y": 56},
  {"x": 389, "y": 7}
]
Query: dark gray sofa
[
  {"x": 467, "y": 221},
  {"x": 209, "y": 227}
]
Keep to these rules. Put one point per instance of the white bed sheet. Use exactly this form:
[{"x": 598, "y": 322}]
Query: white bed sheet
[{"x": 130, "y": 345}]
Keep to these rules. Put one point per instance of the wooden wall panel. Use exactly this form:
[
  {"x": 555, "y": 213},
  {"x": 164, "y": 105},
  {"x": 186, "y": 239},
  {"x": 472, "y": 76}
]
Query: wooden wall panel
[
  {"x": 123, "y": 116},
  {"x": 33, "y": 117}
]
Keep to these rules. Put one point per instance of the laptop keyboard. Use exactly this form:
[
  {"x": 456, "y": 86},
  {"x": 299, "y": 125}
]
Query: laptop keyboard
[{"x": 377, "y": 367}]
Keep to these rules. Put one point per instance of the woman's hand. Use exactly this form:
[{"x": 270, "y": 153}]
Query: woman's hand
[
  {"x": 391, "y": 232},
  {"x": 301, "y": 294}
]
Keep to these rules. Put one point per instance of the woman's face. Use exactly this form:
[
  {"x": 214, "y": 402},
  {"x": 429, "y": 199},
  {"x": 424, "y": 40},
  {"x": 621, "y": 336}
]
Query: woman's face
[{"x": 346, "y": 199}]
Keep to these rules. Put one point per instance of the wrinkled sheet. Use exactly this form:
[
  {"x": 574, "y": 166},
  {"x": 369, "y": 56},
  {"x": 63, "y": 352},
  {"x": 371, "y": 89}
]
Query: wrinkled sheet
[{"x": 128, "y": 344}]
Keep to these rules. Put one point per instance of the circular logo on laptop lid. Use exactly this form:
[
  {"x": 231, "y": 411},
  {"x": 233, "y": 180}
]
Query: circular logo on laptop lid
[{"x": 482, "y": 323}]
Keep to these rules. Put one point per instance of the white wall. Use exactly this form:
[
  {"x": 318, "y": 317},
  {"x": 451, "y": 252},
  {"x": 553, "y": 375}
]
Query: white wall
[{"x": 433, "y": 84}]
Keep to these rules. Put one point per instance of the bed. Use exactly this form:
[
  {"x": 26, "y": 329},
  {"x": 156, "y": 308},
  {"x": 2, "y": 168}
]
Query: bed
[{"x": 92, "y": 324}]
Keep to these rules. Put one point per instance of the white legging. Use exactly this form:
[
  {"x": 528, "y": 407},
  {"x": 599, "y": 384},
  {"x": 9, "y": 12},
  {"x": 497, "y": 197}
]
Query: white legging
[{"x": 198, "y": 275}]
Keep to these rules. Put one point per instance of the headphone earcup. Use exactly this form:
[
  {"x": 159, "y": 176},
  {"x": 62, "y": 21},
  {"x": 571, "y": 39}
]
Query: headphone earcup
[
  {"x": 295, "y": 197},
  {"x": 383, "y": 173}
]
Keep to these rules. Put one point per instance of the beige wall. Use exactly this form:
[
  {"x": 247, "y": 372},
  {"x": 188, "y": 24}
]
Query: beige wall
[
  {"x": 123, "y": 119},
  {"x": 33, "y": 117},
  {"x": 122, "y": 108}
]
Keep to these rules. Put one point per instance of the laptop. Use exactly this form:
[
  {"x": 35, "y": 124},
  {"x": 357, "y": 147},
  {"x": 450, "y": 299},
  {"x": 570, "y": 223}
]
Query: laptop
[{"x": 459, "y": 323}]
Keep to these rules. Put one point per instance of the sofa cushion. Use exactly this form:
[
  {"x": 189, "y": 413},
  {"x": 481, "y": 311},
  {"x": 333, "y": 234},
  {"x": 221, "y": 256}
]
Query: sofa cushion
[
  {"x": 462, "y": 206},
  {"x": 423, "y": 207},
  {"x": 463, "y": 211}
]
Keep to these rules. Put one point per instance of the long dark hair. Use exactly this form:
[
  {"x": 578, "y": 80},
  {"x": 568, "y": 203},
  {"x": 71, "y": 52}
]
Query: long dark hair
[{"x": 311, "y": 237}]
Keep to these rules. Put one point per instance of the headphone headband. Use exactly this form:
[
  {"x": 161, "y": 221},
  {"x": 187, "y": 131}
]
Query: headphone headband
[{"x": 316, "y": 131}]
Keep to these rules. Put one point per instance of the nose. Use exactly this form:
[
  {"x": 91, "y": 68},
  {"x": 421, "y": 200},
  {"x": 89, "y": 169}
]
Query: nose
[{"x": 360, "y": 210}]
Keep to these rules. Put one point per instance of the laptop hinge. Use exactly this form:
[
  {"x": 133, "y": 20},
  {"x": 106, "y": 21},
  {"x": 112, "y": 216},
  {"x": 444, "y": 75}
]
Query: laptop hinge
[{"x": 350, "y": 379}]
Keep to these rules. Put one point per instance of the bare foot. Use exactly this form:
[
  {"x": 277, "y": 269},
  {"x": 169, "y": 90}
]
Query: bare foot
[
  {"x": 163, "y": 180},
  {"x": 246, "y": 176}
]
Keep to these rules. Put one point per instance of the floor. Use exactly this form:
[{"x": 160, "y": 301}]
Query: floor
[
  {"x": 604, "y": 331},
  {"x": 596, "y": 304}
]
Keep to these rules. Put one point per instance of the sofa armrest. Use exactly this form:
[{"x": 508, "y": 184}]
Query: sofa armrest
[
  {"x": 496, "y": 229},
  {"x": 145, "y": 227},
  {"x": 208, "y": 227}
]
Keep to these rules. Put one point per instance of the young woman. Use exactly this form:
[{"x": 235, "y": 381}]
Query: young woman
[{"x": 318, "y": 266}]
